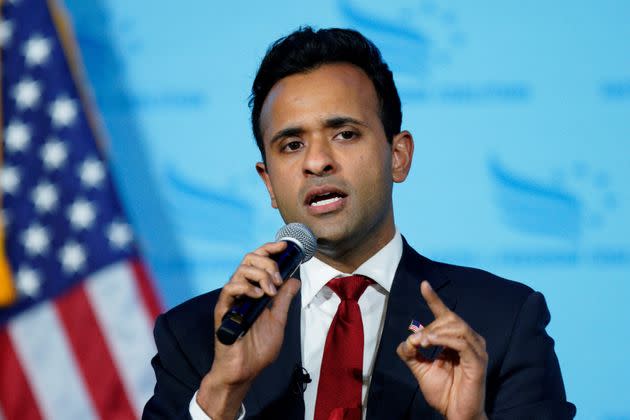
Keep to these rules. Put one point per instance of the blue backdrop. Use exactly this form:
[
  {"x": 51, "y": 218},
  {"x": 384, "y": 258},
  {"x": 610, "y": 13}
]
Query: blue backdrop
[{"x": 521, "y": 115}]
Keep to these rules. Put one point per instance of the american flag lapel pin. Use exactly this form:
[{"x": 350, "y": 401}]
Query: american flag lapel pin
[{"x": 415, "y": 326}]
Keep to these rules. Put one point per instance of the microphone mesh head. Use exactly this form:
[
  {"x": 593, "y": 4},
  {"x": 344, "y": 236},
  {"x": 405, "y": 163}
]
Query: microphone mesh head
[{"x": 301, "y": 235}]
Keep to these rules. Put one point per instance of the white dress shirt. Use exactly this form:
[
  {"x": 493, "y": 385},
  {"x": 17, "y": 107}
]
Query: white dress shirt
[{"x": 319, "y": 305}]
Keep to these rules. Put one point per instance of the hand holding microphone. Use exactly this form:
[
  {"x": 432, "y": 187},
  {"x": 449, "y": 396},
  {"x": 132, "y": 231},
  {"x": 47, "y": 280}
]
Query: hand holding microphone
[
  {"x": 300, "y": 247},
  {"x": 250, "y": 318}
]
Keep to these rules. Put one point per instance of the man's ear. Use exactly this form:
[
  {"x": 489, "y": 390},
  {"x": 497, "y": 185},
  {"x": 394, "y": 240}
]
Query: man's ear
[
  {"x": 402, "y": 155},
  {"x": 261, "y": 168}
]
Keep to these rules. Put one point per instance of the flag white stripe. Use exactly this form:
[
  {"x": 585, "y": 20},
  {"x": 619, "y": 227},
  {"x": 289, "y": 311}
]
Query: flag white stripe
[
  {"x": 45, "y": 355},
  {"x": 127, "y": 327},
  {"x": 1, "y": 415}
]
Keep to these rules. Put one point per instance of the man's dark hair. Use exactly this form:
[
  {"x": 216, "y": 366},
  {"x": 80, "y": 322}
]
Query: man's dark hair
[{"x": 305, "y": 50}]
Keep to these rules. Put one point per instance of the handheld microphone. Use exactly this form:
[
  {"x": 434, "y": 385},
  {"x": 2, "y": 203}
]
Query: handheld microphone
[{"x": 301, "y": 246}]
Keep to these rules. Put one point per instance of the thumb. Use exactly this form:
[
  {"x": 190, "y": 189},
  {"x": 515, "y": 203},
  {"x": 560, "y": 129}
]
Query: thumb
[
  {"x": 407, "y": 351},
  {"x": 282, "y": 301}
]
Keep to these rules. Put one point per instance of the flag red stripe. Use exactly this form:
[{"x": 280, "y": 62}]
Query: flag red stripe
[
  {"x": 147, "y": 290},
  {"x": 16, "y": 397},
  {"x": 92, "y": 355}
]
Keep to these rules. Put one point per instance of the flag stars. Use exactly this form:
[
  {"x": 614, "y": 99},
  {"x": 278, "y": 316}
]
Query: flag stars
[
  {"x": 26, "y": 94},
  {"x": 119, "y": 235},
  {"x": 92, "y": 172},
  {"x": 63, "y": 111},
  {"x": 72, "y": 257},
  {"x": 9, "y": 179},
  {"x": 45, "y": 197},
  {"x": 37, "y": 50},
  {"x": 28, "y": 282},
  {"x": 54, "y": 153},
  {"x": 81, "y": 214},
  {"x": 6, "y": 32},
  {"x": 18, "y": 136},
  {"x": 35, "y": 240}
]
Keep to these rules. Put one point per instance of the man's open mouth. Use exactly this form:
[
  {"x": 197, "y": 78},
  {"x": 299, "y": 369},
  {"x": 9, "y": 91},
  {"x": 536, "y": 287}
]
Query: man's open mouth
[{"x": 324, "y": 196}]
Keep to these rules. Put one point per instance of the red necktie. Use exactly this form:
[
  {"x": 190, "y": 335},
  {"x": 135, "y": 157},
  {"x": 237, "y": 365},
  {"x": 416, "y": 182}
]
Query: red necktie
[{"x": 341, "y": 375}]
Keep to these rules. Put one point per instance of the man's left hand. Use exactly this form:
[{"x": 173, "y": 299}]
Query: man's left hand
[{"x": 455, "y": 382}]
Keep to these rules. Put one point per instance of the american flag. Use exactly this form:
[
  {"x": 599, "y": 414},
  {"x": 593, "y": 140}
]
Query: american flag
[{"x": 77, "y": 305}]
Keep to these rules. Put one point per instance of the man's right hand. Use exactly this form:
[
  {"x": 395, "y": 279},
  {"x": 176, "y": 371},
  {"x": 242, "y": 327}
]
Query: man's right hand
[{"x": 234, "y": 367}]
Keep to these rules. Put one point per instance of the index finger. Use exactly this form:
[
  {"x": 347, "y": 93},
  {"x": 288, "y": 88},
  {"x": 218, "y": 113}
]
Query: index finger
[
  {"x": 433, "y": 300},
  {"x": 270, "y": 248}
]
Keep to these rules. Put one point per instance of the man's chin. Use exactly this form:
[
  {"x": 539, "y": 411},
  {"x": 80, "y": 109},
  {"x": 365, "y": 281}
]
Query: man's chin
[
  {"x": 330, "y": 236},
  {"x": 324, "y": 226},
  {"x": 332, "y": 231}
]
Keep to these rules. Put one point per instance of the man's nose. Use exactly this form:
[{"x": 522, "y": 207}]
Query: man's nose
[{"x": 319, "y": 159}]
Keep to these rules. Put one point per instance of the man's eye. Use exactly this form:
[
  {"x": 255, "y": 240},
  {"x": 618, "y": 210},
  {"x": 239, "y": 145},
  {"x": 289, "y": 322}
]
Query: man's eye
[
  {"x": 347, "y": 135},
  {"x": 292, "y": 145}
]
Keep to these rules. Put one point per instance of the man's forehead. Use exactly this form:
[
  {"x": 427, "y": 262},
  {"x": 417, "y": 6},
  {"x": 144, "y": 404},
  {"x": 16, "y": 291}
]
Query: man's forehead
[{"x": 330, "y": 90}]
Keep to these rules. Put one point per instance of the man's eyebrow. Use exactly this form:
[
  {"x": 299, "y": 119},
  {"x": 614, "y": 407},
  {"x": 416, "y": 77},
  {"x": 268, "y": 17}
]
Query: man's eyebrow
[
  {"x": 287, "y": 132},
  {"x": 336, "y": 122}
]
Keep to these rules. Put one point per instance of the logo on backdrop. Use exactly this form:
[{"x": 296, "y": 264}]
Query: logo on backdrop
[
  {"x": 566, "y": 212},
  {"x": 419, "y": 40},
  {"x": 105, "y": 59},
  {"x": 216, "y": 223},
  {"x": 615, "y": 90}
]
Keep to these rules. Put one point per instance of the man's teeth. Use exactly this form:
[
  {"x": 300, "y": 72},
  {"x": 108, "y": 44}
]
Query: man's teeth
[{"x": 326, "y": 201}]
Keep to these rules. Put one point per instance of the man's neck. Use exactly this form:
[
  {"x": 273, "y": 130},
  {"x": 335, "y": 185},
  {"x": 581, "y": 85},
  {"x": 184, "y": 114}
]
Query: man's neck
[{"x": 348, "y": 258}]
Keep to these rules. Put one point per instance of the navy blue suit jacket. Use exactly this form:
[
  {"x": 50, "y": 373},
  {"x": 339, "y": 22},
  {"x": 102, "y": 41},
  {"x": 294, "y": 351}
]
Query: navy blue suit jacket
[{"x": 523, "y": 376}]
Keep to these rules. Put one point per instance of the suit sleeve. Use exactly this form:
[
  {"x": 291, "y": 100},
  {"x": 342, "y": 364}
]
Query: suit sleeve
[
  {"x": 177, "y": 381},
  {"x": 530, "y": 383}
]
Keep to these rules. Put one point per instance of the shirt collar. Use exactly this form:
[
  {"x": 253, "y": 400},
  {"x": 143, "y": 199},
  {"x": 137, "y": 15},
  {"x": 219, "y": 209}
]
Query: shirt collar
[{"x": 380, "y": 267}]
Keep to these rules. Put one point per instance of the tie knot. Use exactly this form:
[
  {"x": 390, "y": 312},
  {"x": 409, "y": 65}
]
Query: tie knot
[{"x": 351, "y": 287}]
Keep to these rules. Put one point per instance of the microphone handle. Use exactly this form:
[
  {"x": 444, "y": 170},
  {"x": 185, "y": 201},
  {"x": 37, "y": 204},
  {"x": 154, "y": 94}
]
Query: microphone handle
[{"x": 237, "y": 321}]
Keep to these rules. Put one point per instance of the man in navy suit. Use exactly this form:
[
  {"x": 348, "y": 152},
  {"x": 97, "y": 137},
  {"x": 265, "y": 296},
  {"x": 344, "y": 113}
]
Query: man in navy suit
[{"x": 327, "y": 119}]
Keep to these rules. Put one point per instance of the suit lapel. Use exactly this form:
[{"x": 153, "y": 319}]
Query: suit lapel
[
  {"x": 393, "y": 386},
  {"x": 275, "y": 391}
]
